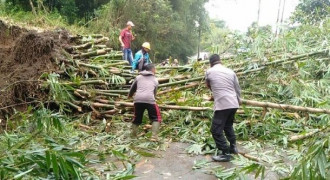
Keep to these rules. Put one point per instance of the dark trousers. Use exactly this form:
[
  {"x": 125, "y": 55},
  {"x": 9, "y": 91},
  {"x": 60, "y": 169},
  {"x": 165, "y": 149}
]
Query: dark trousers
[
  {"x": 153, "y": 112},
  {"x": 223, "y": 121}
]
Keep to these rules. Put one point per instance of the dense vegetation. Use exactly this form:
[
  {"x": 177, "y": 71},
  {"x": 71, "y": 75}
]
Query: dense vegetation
[
  {"x": 291, "y": 67},
  {"x": 170, "y": 26}
]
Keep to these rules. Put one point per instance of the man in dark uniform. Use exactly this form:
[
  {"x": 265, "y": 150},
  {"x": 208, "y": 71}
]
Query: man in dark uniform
[{"x": 225, "y": 89}]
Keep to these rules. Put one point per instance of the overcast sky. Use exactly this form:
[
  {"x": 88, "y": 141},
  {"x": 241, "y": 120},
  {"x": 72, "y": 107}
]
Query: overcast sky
[{"x": 239, "y": 14}]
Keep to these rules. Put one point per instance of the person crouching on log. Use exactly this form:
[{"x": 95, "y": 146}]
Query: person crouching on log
[
  {"x": 141, "y": 58},
  {"x": 145, "y": 86},
  {"x": 225, "y": 89}
]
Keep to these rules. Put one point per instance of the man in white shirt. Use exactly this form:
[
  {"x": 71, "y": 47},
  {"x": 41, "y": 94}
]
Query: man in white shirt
[{"x": 225, "y": 89}]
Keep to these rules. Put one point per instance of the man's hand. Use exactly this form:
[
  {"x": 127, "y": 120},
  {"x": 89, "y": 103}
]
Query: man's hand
[
  {"x": 208, "y": 98},
  {"x": 240, "y": 101}
]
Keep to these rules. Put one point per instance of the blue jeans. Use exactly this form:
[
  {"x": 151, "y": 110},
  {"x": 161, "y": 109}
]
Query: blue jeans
[{"x": 128, "y": 55}]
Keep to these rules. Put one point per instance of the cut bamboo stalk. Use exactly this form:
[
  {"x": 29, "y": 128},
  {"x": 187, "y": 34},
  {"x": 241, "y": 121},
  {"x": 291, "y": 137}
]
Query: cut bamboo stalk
[
  {"x": 304, "y": 136},
  {"x": 110, "y": 112},
  {"x": 222, "y": 58},
  {"x": 89, "y": 65},
  {"x": 89, "y": 44},
  {"x": 178, "y": 88},
  {"x": 113, "y": 91},
  {"x": 167, "y": 79},
  {"x": 107, "y": 94},
  {"x": 83, "y": 92},
  {"x": 78, "y": 108},
  {"x": 84, "y": 126},
  {"x": 97, "y": 105},
  {"x": 116, "y": 64},
  {"x": 185, "y": 108},
  {"x": 285, "y": 107},
  {"x": 174, "y": 67},
  {"x": 101, "y": 46},
  {"x": 84, "y": 82},
  {"x": 93, "y": 53},
  {"x": 128, "y": 104},
  {"x": 181, "y": 82},
  {"x": 249, "y": 71},
  {"x": 250, "y": 157},
  {"x": 293, "y": 58},
  {"x": 113, "y": 54},
  {"x": 104, "y": 101}
]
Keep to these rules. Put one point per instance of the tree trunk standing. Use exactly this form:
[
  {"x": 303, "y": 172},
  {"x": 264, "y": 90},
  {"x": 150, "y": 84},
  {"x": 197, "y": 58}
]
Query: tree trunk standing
[
  {"x": 278, "y": 17},
  {"x": 258, "y": 13},
  {"x": 282, "y": 16},
  {"x": 199, "y": 41},
  {"x": 32, "y": 7}
]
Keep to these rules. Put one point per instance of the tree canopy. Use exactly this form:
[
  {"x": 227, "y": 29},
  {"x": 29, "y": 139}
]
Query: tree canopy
[{"x": 311, "y": 11}]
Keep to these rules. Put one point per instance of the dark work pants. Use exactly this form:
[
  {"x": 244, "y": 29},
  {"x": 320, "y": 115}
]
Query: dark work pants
[
  {"x": 153, "y": 112},
  {"x": 223, "y": 121}
]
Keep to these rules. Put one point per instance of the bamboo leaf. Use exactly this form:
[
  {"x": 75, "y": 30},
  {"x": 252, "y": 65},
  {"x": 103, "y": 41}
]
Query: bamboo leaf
[
  {"x": 22, "y": 174},
  {"x": 55, "y": 166},
  {"x": 48, "y": 159},
  {"x": 63, "y": 168}
]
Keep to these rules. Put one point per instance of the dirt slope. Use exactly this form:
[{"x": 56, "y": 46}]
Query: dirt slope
[{"x": 24, "y": 56}]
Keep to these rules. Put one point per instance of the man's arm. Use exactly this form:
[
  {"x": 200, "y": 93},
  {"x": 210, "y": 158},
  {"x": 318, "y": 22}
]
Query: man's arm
[
  {"x": 136, "y": 60},
  {"x": 133, "y": 37},
  {"x": 155, "y": 91},
  {"x": 121, "y": 38},
  {"x": 133, "y": 88},
  {"x": 207, "y": 81},
  {"x": 208, "y": 84},
  {"x": 237, "y": 89}
]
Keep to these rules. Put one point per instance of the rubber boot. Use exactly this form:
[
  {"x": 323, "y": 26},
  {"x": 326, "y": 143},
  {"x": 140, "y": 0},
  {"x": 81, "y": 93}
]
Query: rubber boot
[
  {"x": 155, "y": 129},
  {"x": 134, "y": 130},
  {"x": 233, "y": 149},
  {"x": 225, "y": 157}
]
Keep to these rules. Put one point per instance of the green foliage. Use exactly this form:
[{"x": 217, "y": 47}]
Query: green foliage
[
  {"x": 58, "y": 92},
  {"x": 218, "y": 38},
  {"x": 46, "y": 120},
  {"x": 169, "y": 25},
  {"x": 31, "y": 152},
  {"x": 315, "y": 162},
  {"x": 311, "y": 12},
  {"x": 71, "y": 10}
]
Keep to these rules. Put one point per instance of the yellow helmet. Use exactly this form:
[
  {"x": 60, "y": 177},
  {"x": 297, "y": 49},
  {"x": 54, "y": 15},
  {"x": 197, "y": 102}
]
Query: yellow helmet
[{"x": 146, "y": 45}]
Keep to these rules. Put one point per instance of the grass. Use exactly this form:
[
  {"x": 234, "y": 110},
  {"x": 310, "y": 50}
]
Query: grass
[{"x": 41, "y": 21}]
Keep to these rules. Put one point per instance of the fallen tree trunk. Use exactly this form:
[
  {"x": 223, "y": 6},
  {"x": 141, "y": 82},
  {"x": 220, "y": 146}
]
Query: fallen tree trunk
[
  {"x": 89, "y": 44},
  {"x": 285, "y": 107},
  {"x": 307, "y": 135},
  {"x": 290, "y": 59},
  {"x": 174, "y": 107},
  {"x": 181, "y": 82},
  {"x": 178, "y": 88},
  {"x": 250, "y": 157},
  {"x": 167, "y": 79},
  {"x": 93, "y": 53},
  {"x": 84, "y": 82},
  {"x": 185, "y": 108}
]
